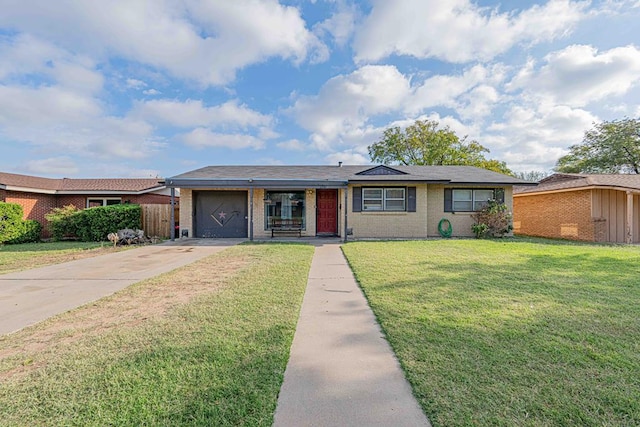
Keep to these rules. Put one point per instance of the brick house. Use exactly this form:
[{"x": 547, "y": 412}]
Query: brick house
[
  {"x": 594, "y": 208},
  {"x": 360, "y": 201},
  {"x": 38, "y": 196}
]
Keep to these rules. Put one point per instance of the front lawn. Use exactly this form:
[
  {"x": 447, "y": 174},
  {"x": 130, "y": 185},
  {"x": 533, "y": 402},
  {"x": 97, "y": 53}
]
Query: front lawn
[
  {"x": 32, "y": 255},
  {"x": 204, "y": 345},
  {"x": 510, "y": 332}
]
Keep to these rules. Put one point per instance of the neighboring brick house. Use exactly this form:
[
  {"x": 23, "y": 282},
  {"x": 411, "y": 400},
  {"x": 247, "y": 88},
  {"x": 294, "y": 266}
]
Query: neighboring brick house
[
  {"x": 38, "y": 196},
  {"x": 594, "y": 208},
  {"x": 362, "y": 201}
]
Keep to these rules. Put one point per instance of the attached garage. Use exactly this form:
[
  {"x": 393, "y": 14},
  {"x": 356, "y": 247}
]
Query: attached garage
[{"x": 220, "y": 214}]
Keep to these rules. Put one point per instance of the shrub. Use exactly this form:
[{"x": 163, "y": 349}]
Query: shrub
[
  {"x": 10, "y": 221},
  {"x": 29, "y": 233},
  {"x": 62, "y": 222},
  {"x": 494, "y": 220},
  {"x": 94, "y": 224}
]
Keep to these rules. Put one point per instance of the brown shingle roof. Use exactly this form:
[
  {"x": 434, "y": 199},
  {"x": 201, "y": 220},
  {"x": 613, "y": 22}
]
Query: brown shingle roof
[
  {"x": 560, "y": 181},
  {"x": 86, "y": 185}
]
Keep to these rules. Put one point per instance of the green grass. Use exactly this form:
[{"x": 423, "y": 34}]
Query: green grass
[
  {"x": 510, "y": 332},
  {"x": 157, "y": 358},
  {"x": 32, "y": 255}
]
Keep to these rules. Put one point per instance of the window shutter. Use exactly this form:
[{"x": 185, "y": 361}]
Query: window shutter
[
  {"x": 357, "y": 199},
  {"x": 448, "y": 200},
  {"x": 499, "y": 195},
  {"x": 411, "y": 199}
]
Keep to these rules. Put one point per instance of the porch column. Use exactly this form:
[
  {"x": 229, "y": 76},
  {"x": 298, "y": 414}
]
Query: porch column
[
  {"x": 251, "y": 214},
  {"x": 173, "y": 214},
  {"x": 629, "y": 228}
]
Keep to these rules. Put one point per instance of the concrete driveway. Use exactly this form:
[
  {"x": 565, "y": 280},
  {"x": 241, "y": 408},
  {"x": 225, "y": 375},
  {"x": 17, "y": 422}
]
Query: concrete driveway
[{"x": 30, "y": 296}]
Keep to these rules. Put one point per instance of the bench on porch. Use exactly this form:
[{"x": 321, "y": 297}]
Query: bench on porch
[{"x": 288, "y": 225}]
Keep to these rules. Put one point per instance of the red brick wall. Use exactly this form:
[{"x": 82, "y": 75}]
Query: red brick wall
[
  {"x": 34, "y": 205},
  {"x": 565, "y": 215}
]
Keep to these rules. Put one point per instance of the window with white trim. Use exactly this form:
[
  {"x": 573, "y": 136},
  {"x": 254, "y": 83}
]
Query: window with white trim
[
  {"x": 470, "y": 200},
  {"x": 384, "y": 199},
  {"x": 105, "y": 201}
]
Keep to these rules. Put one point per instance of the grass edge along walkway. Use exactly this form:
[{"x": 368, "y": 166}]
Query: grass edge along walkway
[
  {"x": 217, "y": 359},
  {"x": 510, "y": 332}
]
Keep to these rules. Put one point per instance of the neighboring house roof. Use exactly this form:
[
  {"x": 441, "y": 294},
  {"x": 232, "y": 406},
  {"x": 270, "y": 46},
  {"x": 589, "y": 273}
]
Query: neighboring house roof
[
  {"x": 568, "y": 182},
  {"x": 16, "y": 182},
  {"x": 255, "y": 176}
]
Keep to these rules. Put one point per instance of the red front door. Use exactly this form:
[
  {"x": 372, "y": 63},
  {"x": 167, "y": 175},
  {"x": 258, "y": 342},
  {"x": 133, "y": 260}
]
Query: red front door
[{"x": 327, "y": 212}]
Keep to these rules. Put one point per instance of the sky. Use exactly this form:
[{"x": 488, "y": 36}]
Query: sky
[{"x": 155, "y": 88}]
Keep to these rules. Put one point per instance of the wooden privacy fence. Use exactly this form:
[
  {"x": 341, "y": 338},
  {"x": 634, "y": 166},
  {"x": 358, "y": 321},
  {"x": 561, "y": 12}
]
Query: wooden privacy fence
[{"x": 156, "y": 219}]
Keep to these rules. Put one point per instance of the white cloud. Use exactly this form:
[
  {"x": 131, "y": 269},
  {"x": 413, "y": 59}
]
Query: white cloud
[
  {"x": 532, "y": 138},
  {"x": 151, "y": 92},
  {"x": 470, "y": 92},
  {"x": 340, "y": 25},
  {"x": 458, "y": 30},
  {"x": 202, "y": 137},
  {"x": 60, "y": 166},
  {"x": 192, "y": 113},
  {"x": 58, "y": 119},
  {"x": 579, "y": 75},
  {"x": 292, "y": 145},
  {"x": 202, "y": 40},
  {"x": 27, "y": 55},
  {"x": 135, "y": 84},
  {"x": 346, "y": 102},
  {"x": 348, "y": 157}
]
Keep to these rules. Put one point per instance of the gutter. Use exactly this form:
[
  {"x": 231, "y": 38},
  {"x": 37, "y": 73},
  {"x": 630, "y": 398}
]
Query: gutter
[{"x": 253, "y": 183}]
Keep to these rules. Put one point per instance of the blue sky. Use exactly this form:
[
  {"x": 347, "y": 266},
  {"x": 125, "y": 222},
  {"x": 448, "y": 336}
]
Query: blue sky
[{"x": 156, "y": 88}]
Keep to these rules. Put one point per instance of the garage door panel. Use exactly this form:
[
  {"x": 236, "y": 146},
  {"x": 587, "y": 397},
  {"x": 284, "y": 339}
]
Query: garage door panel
[{"x": 221, "y": 214}]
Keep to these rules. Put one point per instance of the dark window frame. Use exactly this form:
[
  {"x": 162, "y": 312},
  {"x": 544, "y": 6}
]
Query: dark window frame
[
  {"x": 449, "y": 202},
  {"x": 409, "y": 198}
]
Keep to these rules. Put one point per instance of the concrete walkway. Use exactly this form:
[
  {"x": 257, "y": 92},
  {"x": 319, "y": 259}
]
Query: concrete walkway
[
  {"x": 341, "y": 371},
  {"x": 30, "y": 296}
]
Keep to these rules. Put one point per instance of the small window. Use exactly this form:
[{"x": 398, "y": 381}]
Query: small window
[
  {"x": 462, "y": 200},
  {"x": 384, "y": 199},
  {"x": 480, "y": 198},
  {"x": 107, "y": 201},
  {"x": 372, "y": 199}
]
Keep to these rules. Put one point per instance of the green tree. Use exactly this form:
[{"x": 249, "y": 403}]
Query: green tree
[
  {"x": 532, "y": 176},
  {"x": 424, "y": 143},
  {"x": 610, "y": 147}
]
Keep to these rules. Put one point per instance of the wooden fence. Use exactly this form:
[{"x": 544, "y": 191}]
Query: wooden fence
[{"x": 156, "y": 220}]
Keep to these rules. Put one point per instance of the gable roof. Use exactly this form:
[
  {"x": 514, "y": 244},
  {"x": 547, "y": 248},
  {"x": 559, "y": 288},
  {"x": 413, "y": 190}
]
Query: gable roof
[
  {"x": 574, "y": 181},
  {"x": 17, "y": 182},
  {"x": 336, "y": 176}
]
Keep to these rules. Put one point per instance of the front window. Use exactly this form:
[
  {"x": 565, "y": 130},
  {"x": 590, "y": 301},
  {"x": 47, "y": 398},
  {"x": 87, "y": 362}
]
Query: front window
[
  {"x": 469, "y": 200},
  {"x": 383, "y": 199},
  {"x": 107, "y": 201},
  {"x": 287, "y": 206}
]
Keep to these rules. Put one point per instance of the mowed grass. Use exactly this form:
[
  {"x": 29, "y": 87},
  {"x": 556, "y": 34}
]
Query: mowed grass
[
  {"x": 32, "y": 255},
  {"x": 510, "y": 332},
  {"x": 204, "y": 345}
]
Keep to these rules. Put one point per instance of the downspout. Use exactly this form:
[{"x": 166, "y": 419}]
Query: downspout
[
  {"x": 629, "y": 228},
  {"x": 251, "y": 214},
  {"x": 173, "y": 214},
  {"x": 346, "y": 196}
]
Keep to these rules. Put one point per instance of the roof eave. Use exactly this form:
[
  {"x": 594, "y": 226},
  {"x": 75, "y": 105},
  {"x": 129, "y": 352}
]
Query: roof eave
[
  {"x": 253, "y": 183},
  {"x": 589, "y": 187},
  {"x": 528, "y": 184},
  {"x": 399, "y": 181},
  {"x": 29, "y": 190}
]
